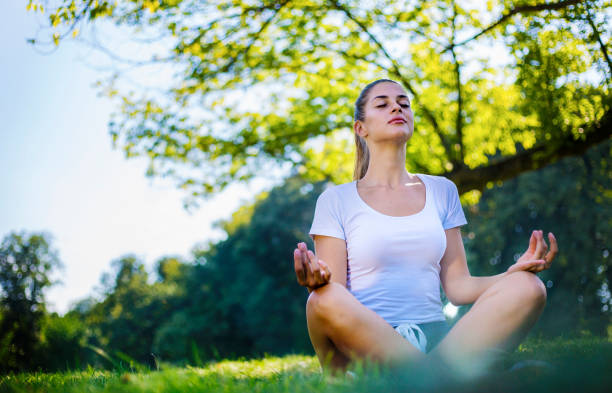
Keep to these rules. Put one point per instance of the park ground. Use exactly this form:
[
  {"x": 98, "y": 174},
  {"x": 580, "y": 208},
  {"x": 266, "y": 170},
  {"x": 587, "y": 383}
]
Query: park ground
[{"x": 554, "y": 365}]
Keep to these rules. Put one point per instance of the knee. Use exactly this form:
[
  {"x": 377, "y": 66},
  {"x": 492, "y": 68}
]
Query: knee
[
  {"x": 322, "y": 302},
  {"x": 530, "y": 288}
]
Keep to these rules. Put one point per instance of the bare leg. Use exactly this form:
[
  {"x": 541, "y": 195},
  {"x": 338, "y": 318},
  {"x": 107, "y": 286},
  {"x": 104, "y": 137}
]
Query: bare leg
[
  {"x": 342, "y": 329},
  {"x": 500, "y": 318}
]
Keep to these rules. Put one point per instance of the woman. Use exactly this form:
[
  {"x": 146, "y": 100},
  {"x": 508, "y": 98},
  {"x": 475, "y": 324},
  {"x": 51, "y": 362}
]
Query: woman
[{"x": 386, "y": 241}]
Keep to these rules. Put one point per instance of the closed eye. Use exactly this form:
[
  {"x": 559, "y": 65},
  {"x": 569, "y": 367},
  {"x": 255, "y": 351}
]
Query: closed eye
[{"x": 402, "y": 105}]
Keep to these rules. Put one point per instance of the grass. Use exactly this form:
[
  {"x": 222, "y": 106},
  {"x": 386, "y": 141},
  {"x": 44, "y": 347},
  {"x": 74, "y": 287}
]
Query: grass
[{"x": 576, "y": 365}]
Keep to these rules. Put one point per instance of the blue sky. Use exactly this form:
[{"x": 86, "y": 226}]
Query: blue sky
[{"x": 60, "y": 174}]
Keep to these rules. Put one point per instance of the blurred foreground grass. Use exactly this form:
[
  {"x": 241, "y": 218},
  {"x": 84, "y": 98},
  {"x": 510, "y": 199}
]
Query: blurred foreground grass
[{"x": 575, "y": 365}]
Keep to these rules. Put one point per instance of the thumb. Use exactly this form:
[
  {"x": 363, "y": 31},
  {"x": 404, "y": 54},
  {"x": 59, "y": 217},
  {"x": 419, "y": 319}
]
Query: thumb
[
  {"x": 526, "y": 265},
  {"x": 325, "y": 267}
]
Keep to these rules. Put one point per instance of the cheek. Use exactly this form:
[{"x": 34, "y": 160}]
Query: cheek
[
  {"x": 374, "y": 121},
  {"x": 410, "y": 117}
]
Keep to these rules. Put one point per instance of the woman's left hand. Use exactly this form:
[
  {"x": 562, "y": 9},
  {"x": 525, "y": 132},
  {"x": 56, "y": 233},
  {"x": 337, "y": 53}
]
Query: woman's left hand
[{"x": 537, "y": 257}]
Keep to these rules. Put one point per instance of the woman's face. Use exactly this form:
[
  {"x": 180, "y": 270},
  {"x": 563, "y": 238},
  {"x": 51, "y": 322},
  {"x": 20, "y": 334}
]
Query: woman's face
[{"x": 387, "y": 114}]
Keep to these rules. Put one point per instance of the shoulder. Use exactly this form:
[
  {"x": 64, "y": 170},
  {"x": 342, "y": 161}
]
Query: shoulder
[
  {"x": 334, "y": 200},
  {"x": 440, "y": 183},
  {"x": 336, "y": 192}
]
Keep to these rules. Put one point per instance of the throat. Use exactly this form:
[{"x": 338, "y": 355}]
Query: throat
[{"x": 403, "y": 200}]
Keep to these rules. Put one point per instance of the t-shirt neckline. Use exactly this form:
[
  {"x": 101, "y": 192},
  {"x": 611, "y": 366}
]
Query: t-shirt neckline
[{"x": 370, "y": 208}]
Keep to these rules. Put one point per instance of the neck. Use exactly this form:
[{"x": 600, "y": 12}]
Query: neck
[{"x": 387, "y": 167}]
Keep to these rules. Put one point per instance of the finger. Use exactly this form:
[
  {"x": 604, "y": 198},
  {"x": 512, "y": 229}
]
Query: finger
[
  {"x": 298, "y": 265},
  {"x": 527, "y": 266},
  {"x": 539, "y": 250},
  {"x": 554, "y": 248},
  {"x": 300, "y": 247},
  {"x": 315, "y": 268},
  {"x": 325, "y": 272},
  {"x": 304, "y": 250},
  {"x": 532, "y": 242},
  {"x": 308, "y": 277},
  {"x": 538, "y": 264}
]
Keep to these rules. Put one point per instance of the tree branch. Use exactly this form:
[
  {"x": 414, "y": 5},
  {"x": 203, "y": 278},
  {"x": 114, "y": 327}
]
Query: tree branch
[
  {"x": 602, "y": 46},
  {"x": 534, "y": 158},
  {"x": 523, "y": 9},
  {"x": 459, "y": 118},
  {"x": 254, "y": 38},
  {"x": 77, "y": 19},
  {"x": 428, "y": 114}
]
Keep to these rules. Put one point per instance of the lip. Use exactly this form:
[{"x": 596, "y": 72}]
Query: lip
[{"x": 397, "y": 120}]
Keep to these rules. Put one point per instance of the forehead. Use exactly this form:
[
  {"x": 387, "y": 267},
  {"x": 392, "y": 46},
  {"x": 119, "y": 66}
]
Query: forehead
[{"x": 389, "y": 89}]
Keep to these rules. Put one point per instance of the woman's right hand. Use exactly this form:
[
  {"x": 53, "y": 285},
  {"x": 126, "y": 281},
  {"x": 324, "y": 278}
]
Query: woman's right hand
[{"x": 311, "y": 272}]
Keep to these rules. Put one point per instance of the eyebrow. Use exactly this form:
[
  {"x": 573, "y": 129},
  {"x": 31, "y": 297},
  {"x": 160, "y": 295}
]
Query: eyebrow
[{"x": 385, "y": 97}]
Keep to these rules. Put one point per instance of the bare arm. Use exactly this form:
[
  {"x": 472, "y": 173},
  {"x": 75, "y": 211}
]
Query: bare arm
[
  {"x": 329, "y": 263},
  {"x": 463, "y": 288},
  {"x": 333, "y": 251},
  {"x": 458, "y": 284}
]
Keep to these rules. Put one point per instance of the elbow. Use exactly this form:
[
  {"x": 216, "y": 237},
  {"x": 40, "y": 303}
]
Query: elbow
[
  {"x": 458, "y": 301},
  {"x": 458, "y": 296},
  {"x": 458, "y": 289},
  {"x": 455, "y": 299}
]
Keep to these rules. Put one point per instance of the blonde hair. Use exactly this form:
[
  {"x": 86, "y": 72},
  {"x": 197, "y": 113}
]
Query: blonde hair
[{"x": 362, "y": 156}]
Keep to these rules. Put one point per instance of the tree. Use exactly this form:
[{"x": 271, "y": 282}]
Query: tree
[
  {"x": 572, "y": 199},
  {"x": 500, "y": 88},
  {"x": 26, "y": 263},
  {"x": 242, "y": 298},
  {"x": 125, "y": 321},
  {"x": 63, "y": 343}
]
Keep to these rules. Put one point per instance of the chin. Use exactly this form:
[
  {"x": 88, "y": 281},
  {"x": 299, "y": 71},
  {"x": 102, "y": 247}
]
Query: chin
[{"x": 400, "y": 134}]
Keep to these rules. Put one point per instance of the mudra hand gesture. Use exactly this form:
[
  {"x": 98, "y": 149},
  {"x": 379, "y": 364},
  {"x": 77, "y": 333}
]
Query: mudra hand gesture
[
  {"x": 311, "y": 272},
  {"x": 536, "y": 258}
]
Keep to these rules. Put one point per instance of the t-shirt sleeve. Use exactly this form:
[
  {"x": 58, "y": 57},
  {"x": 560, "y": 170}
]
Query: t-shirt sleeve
[
  {"x": 454, "y": 213},
  {"x": 327, "y": 219}
]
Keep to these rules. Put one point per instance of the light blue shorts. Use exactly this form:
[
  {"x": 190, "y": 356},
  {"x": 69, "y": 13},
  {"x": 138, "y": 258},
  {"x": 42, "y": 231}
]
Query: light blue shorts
[{"x": 424, "y": 336}]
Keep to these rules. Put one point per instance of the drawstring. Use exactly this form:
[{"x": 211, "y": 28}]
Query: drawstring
[{"x": 407, "y": 331}]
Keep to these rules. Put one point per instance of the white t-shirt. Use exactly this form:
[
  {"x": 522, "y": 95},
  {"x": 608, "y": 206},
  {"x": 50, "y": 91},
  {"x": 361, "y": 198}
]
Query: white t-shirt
[{"x": 393, "y": 262}]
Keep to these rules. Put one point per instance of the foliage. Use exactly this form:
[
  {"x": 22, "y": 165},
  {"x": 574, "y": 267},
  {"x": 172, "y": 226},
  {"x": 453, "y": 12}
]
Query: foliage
[
  {"x": 126, "y": 320},
  {"x": 500, "y": 87},
  {"x": 239, "y": 297},
  {"x": 26, "y": 264},
  {"x": 63, "y": 343},
  {"x": 572, "y": 199},
  {"x": 579, "y": 365},
  {"x": 243, "y": 298}
]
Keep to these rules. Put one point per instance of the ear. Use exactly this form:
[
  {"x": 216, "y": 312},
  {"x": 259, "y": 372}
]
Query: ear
[{"x": 360, "y": 129}]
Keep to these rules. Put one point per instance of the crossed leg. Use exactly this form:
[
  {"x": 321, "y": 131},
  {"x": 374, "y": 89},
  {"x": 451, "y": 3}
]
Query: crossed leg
[
  {"x": 342, "y": 329},
  {"x": 499, "y": 320}
]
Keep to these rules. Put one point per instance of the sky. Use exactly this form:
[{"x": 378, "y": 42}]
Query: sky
[{"x": 60, "y": 174}]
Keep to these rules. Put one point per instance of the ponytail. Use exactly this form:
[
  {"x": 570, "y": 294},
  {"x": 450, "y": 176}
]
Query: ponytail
[{"x": 362, "y": 158}]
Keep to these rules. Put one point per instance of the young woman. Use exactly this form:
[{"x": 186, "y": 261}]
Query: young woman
[{"x": 386, "y": 241}]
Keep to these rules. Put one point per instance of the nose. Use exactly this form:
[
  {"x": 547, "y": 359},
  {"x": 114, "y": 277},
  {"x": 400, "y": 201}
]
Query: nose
[{"x": 396, "y": 107}]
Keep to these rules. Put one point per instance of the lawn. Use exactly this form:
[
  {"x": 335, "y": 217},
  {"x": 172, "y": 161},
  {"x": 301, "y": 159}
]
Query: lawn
[{"x": 572, "y": 365}]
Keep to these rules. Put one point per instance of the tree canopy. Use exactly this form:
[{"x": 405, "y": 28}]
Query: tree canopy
[
  {"x": 26, "y": 263},
  {"x": 499, "y": 87},
  {"x": 578, "y": 212},
  {"x": 239, "y": 297}
]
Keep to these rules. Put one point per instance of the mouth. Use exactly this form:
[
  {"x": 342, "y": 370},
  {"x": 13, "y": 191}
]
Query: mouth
[{"x": 397, "y": 120}]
